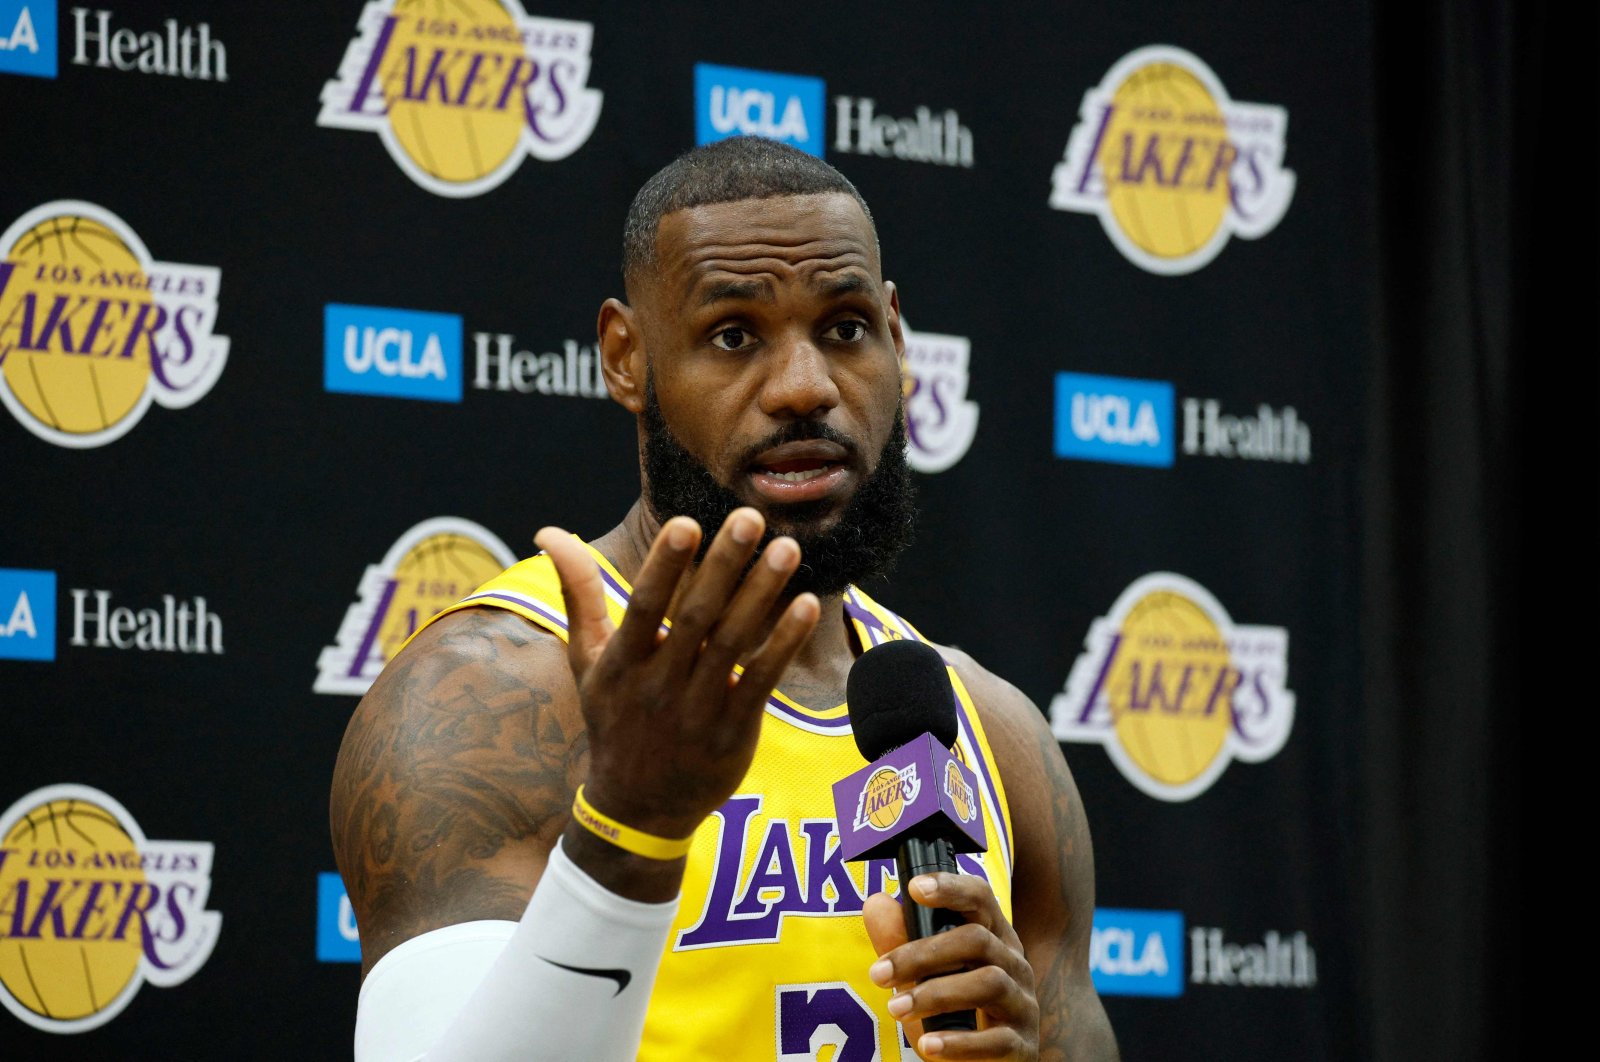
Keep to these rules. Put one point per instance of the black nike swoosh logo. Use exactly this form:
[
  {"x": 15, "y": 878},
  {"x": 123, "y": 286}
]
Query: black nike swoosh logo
[{"x": 621, "y": 977}]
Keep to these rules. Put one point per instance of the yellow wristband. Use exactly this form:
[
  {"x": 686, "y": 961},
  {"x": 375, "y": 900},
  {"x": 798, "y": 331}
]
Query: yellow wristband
[{"x": 626, "y": 837}]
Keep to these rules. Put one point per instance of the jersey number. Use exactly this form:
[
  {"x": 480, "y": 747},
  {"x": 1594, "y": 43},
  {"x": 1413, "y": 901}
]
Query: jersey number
[{"x": 830, "y": 1014}]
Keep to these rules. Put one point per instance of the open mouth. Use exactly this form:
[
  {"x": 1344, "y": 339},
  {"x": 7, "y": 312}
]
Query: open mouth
[
  {"x": 797, "y": 471},
  {"x": 800, "y": 471}
]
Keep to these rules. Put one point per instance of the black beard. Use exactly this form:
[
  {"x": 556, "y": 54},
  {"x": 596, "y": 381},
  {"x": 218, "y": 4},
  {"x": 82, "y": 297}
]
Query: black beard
[{"x": 876, "y": 525}]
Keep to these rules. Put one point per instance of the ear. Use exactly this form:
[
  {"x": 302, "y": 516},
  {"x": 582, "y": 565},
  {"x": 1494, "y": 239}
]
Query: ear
[
  {"x": 622, "y": 354},
  {"x": 895, "y": 330}
]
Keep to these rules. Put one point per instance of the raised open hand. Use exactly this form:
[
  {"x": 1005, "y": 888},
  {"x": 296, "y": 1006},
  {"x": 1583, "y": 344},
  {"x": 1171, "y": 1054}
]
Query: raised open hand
[{"x": 672, "y": 728}]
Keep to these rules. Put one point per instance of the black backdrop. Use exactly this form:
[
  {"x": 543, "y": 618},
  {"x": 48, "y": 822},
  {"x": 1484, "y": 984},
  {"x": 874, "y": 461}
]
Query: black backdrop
[{"x": 270, "y": 495}]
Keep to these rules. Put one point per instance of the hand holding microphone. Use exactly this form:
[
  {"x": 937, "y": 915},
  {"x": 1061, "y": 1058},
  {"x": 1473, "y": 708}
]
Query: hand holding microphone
[{"x": 946, "y": 947}]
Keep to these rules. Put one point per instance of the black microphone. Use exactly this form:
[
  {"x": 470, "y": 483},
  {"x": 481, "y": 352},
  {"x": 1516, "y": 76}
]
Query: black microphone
[{"x": 898, "y": 692}]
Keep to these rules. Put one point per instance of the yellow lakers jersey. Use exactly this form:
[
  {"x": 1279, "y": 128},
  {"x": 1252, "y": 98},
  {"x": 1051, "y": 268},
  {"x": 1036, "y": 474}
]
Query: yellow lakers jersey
[{"x": 768, "y": 955}]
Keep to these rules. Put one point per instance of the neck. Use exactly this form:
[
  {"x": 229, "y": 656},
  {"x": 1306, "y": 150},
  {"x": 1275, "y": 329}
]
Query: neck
[{"x": 822, "y": 661}]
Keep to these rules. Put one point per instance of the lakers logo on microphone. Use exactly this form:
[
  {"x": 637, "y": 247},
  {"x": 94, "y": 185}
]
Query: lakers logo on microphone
[
  {"x": 960, "y": 793},
  {"x": 93, "y": 329},
  {"x": 885, "y": 796},
  {"x": 93, "y": 910},
  {"x": 461, "y": 94},
  {"x": 1171, "y": 165},
  {"x": 1175, "y": 690}
]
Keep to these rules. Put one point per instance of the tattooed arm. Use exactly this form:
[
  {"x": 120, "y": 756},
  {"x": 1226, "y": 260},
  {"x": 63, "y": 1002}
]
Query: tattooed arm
[
  {"x": 457, "y": 773},
  {"x": 455, "y": 778},
  {"x": 1053, "y": 877}
]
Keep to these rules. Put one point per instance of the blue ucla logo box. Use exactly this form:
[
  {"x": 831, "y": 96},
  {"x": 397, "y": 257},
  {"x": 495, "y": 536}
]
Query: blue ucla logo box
[
  {"x": 1113, "y": 418},
  {"x": 337, "y": 940},
  {"x": 731, "y": 101},
  {"x": 1137, "y": 953},
  {"x": 28, "y": 37},
  {"x": 27, "y": 614},
  {"x": 377, "y": 350}
]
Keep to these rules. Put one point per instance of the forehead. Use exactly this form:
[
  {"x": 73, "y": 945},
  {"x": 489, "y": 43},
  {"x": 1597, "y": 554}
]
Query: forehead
[{"x": 786, "y": 238}]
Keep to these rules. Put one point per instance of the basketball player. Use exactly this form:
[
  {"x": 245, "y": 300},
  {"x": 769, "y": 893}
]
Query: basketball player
[{"x": 586, "y": 812}]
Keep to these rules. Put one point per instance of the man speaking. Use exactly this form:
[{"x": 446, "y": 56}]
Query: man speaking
[{"x": 586, "y": 812}]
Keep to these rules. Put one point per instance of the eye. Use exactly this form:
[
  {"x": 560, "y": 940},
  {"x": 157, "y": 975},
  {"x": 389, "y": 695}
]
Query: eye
[
  {"x": 849, "y": 331},
  {"x": 733, "y": 338}
]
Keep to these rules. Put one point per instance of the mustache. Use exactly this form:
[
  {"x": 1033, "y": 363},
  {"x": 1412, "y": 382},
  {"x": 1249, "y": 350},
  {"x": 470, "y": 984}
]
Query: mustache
[{"x": 800, "y": 431}]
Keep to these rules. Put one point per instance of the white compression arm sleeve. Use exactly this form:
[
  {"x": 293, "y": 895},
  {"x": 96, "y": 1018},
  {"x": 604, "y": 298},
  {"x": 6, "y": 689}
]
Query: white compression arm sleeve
[{"x": 571, "y": 980}]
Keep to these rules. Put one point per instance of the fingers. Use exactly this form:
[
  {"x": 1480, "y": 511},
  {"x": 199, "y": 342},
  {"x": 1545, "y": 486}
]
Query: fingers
[
  {"x": 766, "y": 665},
  {"x": 970, "y": 895},
  {"x": 589, "y": 627},
  {"x": 991, "y": 974},
  {"x": 886, "y": 925},
  {"x": 986, "y": 940},
  {"x": 670, "y": 556},
  {"x": 742, "y": 621},
  {"x": 988, "y": 988},
  {"x": 1000, "y": 1042},
  {"x": 705, "y": 599}
]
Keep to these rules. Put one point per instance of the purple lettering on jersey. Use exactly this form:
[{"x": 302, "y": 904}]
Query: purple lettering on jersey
[
  {"x": 773, "y": 887},
  {"x": 825, "y": 866},
  {"x": 716, "y": 926},
  {"x": 774, "y": 873}
]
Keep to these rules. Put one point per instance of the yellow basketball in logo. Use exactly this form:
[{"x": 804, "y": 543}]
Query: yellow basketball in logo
[
  {"x": 960, "y": 793},
  {"x": 433, "y": 575},
  {"x": 1162, "y": 684},
  {"x": 885, "y": 798},
  {"x": 71, "y": 391},
  {"x": 74, "y": 960},
  {"x": 455, "y": 111},
  {"x": 1161, "y": 190}
]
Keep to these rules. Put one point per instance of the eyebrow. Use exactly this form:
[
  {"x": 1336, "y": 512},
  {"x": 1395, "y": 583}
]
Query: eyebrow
[
  {"x": 848, "y": 284},
  {"x": 736, "y": 289}
]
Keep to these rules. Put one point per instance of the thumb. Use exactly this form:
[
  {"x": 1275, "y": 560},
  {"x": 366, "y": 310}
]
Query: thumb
[
  {"x": 589, "y": 625},
  {"x": 886, "y": 924}
]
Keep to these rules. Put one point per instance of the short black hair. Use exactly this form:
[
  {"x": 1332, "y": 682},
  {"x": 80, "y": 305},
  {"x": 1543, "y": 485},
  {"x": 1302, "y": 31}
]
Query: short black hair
[{"x": 726, "y": 171}]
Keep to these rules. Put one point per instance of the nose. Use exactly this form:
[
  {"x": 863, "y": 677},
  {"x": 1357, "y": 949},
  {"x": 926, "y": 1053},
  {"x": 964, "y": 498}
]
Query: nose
[{"x": 799, "y": 384}]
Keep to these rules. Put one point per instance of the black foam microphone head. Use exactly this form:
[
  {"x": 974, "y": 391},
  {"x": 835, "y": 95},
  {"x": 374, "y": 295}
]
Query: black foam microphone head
[{"x": 896, "y": 691}]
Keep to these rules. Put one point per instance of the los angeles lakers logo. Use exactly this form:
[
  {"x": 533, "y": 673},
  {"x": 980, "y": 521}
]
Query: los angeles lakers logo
[
  {"x": 90, "y": 909},
  {"x": 885, "y": 796},
  {"x": 1175, "y": 690},
  {"x": 941, "y": 420},
  {"x": 960, "y": 793},
  {"x": 430, "y": 568},
  {"x": 461, "y": 93},
  {"x": 93, "y": 329},
  {"x": 1171, "y": 165}
]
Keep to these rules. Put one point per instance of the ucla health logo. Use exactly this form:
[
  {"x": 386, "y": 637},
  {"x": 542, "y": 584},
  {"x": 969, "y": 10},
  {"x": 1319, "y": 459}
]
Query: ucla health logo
[
  {"x": 376, "y": 350},
  {"x": 1112, "y": 418},
  {"x": 28, "y": 37},
  {"x": 731, "y": 101},
  {"x": 1136, "y": 953},
  {"x": 1175, "y": 690},
  {"x": 338, "y": 939},
  {"x": 93, "y": 329},
  {"x": 461, "y": 94},
  {"x": 1171, "y": 165},
  {"x": 27, "y": 614},
  {"x": 430, "y": 568},
  {"x": 94, "y": 909},
  {"x": 940, "y": 420}
]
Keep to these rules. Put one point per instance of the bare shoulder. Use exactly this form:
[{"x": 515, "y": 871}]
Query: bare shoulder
[
  {"x": 1053, "y": 872},
  {"x": 1046, "y": 813},
  {"x": 454, "y": 777},
  {"x": 1016, "y": 729}
]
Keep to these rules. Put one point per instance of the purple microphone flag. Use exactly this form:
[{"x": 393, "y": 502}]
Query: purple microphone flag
[{"x": 918, "y": 781}]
